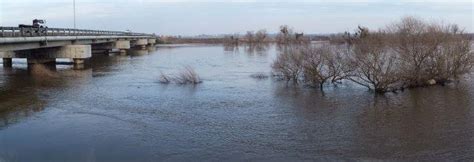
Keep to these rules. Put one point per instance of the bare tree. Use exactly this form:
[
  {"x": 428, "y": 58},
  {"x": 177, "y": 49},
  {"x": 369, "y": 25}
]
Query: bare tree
[
  {"x": 261, "y": 36},
  {"x": 416, "y": 42},
  {"x": 249, "y": 37},
  {"x": 339, "y": 63},
  {"x": 453, "y": 57},
  {"x": 315, "y": 68},
  {"x": 288, "y": 64},
  {"x": 375, "y": 66},
  {"x": 288, "y": 36},
  {"x": 231, "y": 39},
  {"x": 284, "y": 36},
  {"x": 409, "y": 53},
  {"x": 322, "y": 64}
]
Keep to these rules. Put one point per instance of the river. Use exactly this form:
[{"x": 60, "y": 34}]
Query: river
[{"x": 116, "y": 110}]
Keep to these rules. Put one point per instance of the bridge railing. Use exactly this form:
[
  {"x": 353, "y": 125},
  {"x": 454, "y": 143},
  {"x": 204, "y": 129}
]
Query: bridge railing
[{"x": 36, "y": 32}]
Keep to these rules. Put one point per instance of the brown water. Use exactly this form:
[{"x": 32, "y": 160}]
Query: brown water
[{"x": 116, "y": 111}]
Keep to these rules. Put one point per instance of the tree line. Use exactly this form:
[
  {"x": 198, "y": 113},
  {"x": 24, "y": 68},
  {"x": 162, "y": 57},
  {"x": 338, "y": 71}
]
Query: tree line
[{"x": 286, "y": 35}]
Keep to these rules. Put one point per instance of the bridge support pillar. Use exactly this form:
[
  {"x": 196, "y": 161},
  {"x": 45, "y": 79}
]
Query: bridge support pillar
[
  {"x": 123, "y": 46},
  {"x": 7, "y": 62},
  {"x": 142, "y": 43},
  {"x": 151, "y": 42},
  {"x": 78, "y": 53},
  {"x": 7, "y": 58}
]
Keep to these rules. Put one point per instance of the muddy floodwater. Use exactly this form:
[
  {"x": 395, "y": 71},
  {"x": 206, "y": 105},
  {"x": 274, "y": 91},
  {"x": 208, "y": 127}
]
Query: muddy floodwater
[{"x": 117, "y": 111}]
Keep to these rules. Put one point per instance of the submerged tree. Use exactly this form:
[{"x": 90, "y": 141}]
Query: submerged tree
[
  {"x": 416, "y": 42},
  {"x": 406, "y": 54},
  {"x": 249, "y": 37},
  {"x": 233, "y": 40},
  {"x": 261, "y": 36},
  {"x": 288, "y": 36},
  {"x": 452, "y": 58},
  {"x": 375, "y": 67},
  {"x": 323, "y": 64},
  {"x": 284, "y": 36},
  {"x": 288, "y": 64}
]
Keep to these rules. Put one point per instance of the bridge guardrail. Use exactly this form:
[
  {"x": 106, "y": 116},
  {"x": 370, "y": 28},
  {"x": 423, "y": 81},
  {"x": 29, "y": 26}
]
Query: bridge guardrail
[{"x": 36, "y": 32}]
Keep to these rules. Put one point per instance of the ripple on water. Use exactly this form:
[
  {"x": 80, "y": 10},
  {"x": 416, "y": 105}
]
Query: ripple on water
[{"x": 117, "y": 111}]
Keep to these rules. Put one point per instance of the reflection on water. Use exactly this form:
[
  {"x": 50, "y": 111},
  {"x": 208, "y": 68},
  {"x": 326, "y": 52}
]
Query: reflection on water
[
  {"x": 24, "y": 91},
  {"x": 251, "y": 49},
  {"x": 115, "y": 110},
  {"x": 438, "y": 119},
  {"x": 16, "y": 101},
  {"x": 140, "y": 52}
]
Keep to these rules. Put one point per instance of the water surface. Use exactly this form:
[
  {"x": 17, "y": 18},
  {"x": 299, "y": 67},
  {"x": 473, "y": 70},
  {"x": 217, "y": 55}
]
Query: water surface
[{"x": 117, "y": 111}]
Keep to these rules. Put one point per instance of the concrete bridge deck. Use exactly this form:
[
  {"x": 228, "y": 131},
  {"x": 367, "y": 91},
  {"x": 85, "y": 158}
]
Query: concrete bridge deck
[{"x": 44, "y": 45}]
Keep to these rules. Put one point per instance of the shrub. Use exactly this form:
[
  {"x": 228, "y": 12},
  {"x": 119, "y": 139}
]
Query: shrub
[
  {"x": 164, "y": 78},
  {"x": 187, "y": 76}
]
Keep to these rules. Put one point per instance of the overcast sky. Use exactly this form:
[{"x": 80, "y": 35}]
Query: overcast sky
[{"x": 193, "y": 17}]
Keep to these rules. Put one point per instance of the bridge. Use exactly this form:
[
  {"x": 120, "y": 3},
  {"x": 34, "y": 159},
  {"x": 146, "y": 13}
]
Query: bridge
[{"x": 44, "y": 45}]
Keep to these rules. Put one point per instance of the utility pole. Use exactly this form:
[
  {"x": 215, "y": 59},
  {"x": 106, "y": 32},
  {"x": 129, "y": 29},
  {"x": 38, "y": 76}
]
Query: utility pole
[
  {"x": 74, "y": 10},
  {"x": 74, "y": 13}
]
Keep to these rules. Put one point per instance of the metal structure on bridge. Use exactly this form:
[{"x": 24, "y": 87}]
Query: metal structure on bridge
[
  {"x": 44, "y": 45},
  {"x": 37, "y": 32}
]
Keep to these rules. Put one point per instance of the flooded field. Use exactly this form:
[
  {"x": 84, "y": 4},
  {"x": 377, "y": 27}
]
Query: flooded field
[{"x": 117, "y": 111}]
